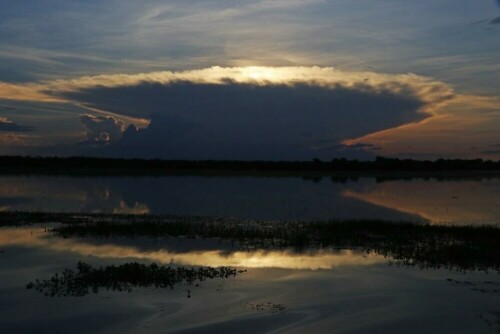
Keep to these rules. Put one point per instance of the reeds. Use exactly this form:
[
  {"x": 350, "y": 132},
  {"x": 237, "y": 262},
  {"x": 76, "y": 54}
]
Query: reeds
[
  {"x": 86, "y": 279},
  {"x": 422, "y": 245}
]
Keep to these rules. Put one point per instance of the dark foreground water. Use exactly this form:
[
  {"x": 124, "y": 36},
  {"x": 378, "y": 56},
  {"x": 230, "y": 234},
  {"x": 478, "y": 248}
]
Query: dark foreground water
[
  {"x": 457, "y": 200},
  {"x": 282, "y": 291},
  {"x": 315, "y": 290}
]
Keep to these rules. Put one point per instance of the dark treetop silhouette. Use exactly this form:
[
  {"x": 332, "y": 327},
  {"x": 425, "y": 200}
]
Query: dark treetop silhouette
[{"x": 87, "y": 165}]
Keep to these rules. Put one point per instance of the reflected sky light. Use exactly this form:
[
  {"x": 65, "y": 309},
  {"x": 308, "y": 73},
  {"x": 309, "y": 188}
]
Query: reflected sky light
[
  {"x": 460, "y": 202},
  {"x": 287, "y": 198},
  {"x": 467, "y": 200},
  {"x": 312, "y": 260}
]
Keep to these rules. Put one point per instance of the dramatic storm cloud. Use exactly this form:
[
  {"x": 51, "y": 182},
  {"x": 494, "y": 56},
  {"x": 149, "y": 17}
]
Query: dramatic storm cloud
[
  {"x": 250, "y": 78},
  {"x": 238, "y": 113},
  {"x": 246, "y": 120}
]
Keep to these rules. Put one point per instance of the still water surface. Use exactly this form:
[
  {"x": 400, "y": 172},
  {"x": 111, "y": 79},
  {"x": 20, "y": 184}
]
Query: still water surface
[
  {"x": 290, "y": 291},
  {"x": 455, "y": 200},
  {"x": 283, "y": 291}
]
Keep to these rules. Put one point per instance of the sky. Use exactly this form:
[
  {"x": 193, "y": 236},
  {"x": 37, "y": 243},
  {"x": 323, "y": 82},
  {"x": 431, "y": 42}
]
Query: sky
[{"x": 246, "y": 80}]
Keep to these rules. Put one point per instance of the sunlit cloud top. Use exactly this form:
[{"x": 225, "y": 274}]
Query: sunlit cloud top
[
  {"x": 427, "y": 89},
  {"x": 396, "y": 72}
]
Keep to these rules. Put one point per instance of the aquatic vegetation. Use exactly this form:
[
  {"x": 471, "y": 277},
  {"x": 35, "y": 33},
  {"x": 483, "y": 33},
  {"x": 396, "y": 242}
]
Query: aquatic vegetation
[
  {"x": 422, "y": 245},
  {"x": 267, "y": 307},
  {"x": 425, "y": 246},
  {"x": 488, "y": 287},
  {"x": 86, "y": 279}
]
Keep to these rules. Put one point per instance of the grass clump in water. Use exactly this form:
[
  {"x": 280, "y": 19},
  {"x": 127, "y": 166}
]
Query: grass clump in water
[{"x": 86, "y": 279}]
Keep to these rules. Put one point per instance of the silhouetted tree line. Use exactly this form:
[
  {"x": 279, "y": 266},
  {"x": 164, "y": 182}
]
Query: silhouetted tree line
[{"x": 82, "y": 165}]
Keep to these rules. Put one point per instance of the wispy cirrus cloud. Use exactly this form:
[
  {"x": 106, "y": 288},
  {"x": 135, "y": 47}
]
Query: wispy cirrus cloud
[{"x": 81, "y": 38}]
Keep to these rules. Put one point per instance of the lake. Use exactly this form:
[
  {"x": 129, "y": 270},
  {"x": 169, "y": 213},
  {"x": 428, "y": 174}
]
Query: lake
[
  {"x": 458, "y": 200},
  {"x": 306, "y": 288}
]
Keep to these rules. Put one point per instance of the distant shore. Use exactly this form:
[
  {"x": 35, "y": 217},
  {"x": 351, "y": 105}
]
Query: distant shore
[{"x": 380, "y": 167}]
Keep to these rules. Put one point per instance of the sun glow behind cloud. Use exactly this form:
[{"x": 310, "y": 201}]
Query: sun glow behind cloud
[
  {"x": 441, "y": 117},
  {"x": 429, "y": 90}
]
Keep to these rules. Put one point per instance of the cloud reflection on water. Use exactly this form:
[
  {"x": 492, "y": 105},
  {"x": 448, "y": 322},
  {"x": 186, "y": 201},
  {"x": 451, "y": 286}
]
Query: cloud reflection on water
[
  {"x": 458, "y": 202},
  {"x": 284, "y": 259}
]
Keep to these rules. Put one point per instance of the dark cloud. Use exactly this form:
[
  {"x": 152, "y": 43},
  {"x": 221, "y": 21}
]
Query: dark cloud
[
  {"x": 243, "y": 121},
  {"x": 491, "y": 152},
  {"x": 494, "y": 151},
  {"x": 495, "y": 20},
  {"x": 102, "y": 129},
  {"x": 9, "y": 126}
]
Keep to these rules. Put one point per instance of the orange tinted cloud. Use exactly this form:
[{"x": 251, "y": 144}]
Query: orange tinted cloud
[
  {"x": 428, "y": 90},
  {"x": 465, "y": 126},
  {"x": 455, "y": 125}
]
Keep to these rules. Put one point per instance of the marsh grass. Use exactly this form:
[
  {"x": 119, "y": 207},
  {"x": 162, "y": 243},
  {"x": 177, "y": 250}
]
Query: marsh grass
[
  {"x": 86, "y": 279},
  {"x": 423, "y": 245}
]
